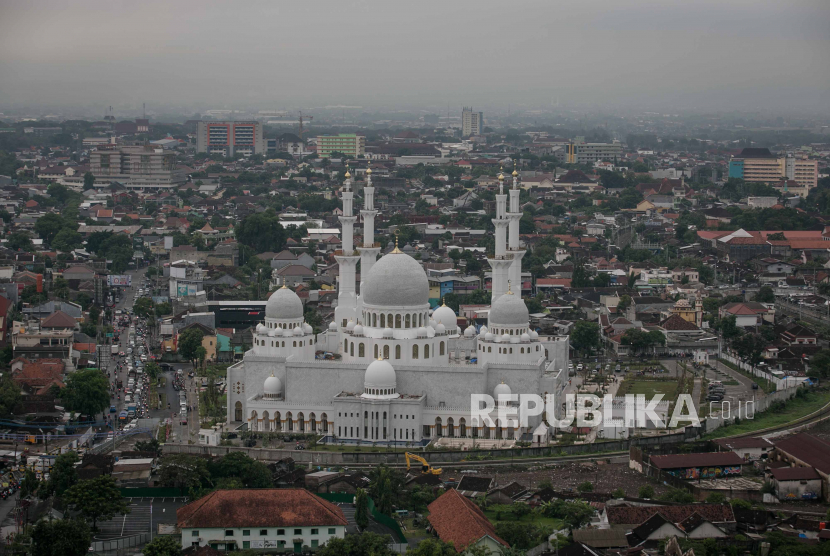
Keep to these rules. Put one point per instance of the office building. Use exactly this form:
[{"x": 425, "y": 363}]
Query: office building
[
  {"x": 136, "y": 167},
  {"x": 759, "y": 165},
  {"x": 472, "y": 123},
  {"x": 230, "y": 138},
  {"x": 347, "y": 143},
  {"x": 580, "y": 152}
]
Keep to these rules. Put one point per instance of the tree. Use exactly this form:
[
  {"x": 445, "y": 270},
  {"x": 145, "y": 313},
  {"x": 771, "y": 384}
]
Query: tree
[
  {"x": 252, "y": 473},
  {"x": 646, "y": 491},
  {"x": 521, "y": 534},
  {"x": 433, "y": 547},
  {"x": 20, "y": 241},
  {"x": 163, "y": 545},
  {"x": 361, "y": 503},
  {"x": 678, "y": 495},
  {"x": 750, "y": 347},
  {"x": 163, "y": 309},
  {"x": 9, "y": 390},
  {"x": 715, "y": 498},
  {"x": 819, "y": 365},
  {"x": 364, "y": 544},
  {"x": 729, "y": 327},
  {"x": 585, "y": 336},
  {"x": 96, "y": 499},
  {"x": 67, "y": 240},
  {"x": 87, "y": 392},
  {"x": 385, "y": 488},
  {"x": 587, "y": 486},
  {"x": 765, "y": 295},
  {"x": 152, "y": 445},
  {"x": 575, "y": 514},
  {"x": 61, "y": 537},
  {"x": 618, "y": 493},
  {"x": 143, "y": 307},
  {"x": 189, "y": 342},
  {"x": 184, "y": 472},
  {"x": 262, "y": 231},
  {"x": 48, "y": 226},
  {"x": 152, "y": 369},
  {"x": 89, "y": 181},
  {"x": 63, "y": 474},
  {"x": 579, "y": 277},
  {"x": 624, "y": 303}
]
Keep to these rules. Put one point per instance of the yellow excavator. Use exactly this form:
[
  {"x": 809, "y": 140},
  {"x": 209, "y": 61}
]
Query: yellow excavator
[{"x": 425, "y": 467}]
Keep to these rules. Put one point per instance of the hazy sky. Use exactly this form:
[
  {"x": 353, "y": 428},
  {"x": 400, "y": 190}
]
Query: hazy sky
[{"x": 694, "y": 54}]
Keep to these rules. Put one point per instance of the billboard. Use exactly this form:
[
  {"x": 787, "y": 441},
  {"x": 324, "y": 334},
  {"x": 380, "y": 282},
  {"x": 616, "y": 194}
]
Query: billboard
[
  {"x": 123, "y": 280},
  {"x": 184, "y": 290}
]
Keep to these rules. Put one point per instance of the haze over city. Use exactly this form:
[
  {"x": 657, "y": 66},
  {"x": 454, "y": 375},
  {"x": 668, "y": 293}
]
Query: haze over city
[{"x": 705, "y": 55}]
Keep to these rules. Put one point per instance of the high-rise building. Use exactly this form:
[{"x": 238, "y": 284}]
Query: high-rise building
[
  {"x": 759, "y": 165},
  {"x": 139, "y": 167},
  {"x": 347, "y": 143},
  {"x": 472, "y": 123},
  {"x": 230, "y": 138}
]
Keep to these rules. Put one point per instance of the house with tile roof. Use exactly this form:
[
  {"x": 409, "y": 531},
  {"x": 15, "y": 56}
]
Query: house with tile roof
[
  {"x": 747, "y": 314},
  {"x": 458, "y": 520},
  {"x": 269, "y": 518},
  {"x": 806, "y": 450}
]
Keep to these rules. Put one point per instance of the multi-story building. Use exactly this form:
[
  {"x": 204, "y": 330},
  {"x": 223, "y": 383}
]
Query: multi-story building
[
  {"x": 761, "y": 166},
  {"x": 472, "y": 123},
  {"x": 140, "y": 167},
  {"x": 580, "y": 152},
  {"x": 349, "y": 144},
  {"x": 230, "y": 138}
]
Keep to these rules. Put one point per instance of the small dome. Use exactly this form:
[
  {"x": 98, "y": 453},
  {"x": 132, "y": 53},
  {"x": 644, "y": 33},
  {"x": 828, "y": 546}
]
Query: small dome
[
  {"x": 430, "y": 331},
  {"x": 483, "y": 330},
  {"x": 446, "y": 316},
  {"x": 509, "y": 309},
  {"x": 421, "y": 332},
  {"x": 470, "y": 331},
  {"x": 488, "y": 337},
  {"x": 440, "y": 329},
  {"x": 380, "y": 374},
  {"x": 350, "y": 325},
  {"x": 369, "y": 171},
  {"x": 260, "y": 329},
  {"x": 514, "y": 339},
  {"x": 284, "y": 304},
  {"x": 298, "y": 331},
  {"x": 387, "y": 332},
  {"x": 307, "y": 328},
  {"x": 358, "y": 329},
  {"x": 501, "y": 390},
  {"x": 497, "y": 339},
  {"x": 525, "y": 337},
  {"x": 534, "y": 335},
  {"x": 432, "y": 323},
  {"x": 273, "y": 386},
  {"x": 505, "y": 337},
  {"x": 332, "y": 326}
]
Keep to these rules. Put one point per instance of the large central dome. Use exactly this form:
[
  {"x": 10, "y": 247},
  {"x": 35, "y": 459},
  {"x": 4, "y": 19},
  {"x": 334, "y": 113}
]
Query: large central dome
[{"x": 396, "y": 280}]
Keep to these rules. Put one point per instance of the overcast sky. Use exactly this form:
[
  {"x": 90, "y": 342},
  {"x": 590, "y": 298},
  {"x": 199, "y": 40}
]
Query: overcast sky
[{"x": 693, "y": 54}]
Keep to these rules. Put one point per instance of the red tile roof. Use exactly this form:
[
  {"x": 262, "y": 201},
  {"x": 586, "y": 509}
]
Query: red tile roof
[
  {"x": 676, "y": 322},
  {"x": 459, "y": 521},
  {"x": 705, "y": 459},
  {"x": 810, "y": 449},
  {"x": 795, "y": 474},
  {"x": 58, "y": 319},
  {"x": 268, "y": 507},
  {"x": 716, "y": 513}
]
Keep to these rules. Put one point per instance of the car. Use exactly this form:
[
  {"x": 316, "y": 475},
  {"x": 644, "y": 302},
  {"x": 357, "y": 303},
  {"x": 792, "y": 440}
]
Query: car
[
  {"x": 754, "y": 385},
  {"x": 113, "y": 409},
  {"x": 579, "y": 368}
]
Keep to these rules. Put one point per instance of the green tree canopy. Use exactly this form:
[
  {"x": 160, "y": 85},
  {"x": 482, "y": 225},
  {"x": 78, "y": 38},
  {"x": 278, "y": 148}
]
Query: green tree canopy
[
  {"x": 163, "y": 545},
  {"x": 96, "y": 499},
  {"x": 585, "y": 336},
  {"x": 86, "y": 392},
  {"x": 61, "y": 537},
  {"x": 189, "y": 343},
  {"x": 262, "y": 231}
]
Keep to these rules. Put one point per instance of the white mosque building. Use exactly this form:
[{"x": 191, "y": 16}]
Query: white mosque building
[{"x": 405, "y": 374}]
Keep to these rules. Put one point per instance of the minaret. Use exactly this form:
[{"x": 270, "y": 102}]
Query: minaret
[
  {"x": 347, "y": 258},
  {"x": 515, "y": 274},
  {"x": 500, "y": 263},
  {"x": 369, "y": 251}
]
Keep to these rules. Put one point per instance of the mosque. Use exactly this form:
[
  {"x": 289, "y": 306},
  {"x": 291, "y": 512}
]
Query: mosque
[{"x": 406, "y": 373}]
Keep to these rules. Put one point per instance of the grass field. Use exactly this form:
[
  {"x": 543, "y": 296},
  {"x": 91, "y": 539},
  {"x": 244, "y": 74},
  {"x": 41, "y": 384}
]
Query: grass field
[
  {"x": 533, "y": 517},
  {"x": 649, "y": 387},
  {"x": 792, "y": 410}
]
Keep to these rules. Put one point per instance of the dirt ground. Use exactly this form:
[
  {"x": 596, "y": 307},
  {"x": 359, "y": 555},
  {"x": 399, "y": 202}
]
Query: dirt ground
[{"x": 606, "y": 477}]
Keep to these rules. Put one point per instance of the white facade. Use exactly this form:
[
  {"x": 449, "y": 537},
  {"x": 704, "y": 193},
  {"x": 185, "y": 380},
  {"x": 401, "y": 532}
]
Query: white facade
[
  {"x": 256, "y": 537},
  {"x": 404, "y": 373}
]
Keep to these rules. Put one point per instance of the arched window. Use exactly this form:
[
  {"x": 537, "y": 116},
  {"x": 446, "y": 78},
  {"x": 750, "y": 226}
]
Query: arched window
[
  {"x": 361, "y": 350},
  {"x": 421, "y": 319},
  {"x": 254, "y": 422},
  {"x": 345, "y": 345},
  {"x": 397, "y": 321},
  {"x": 237, "y": 411},
  {"x": 415, "y": 351},
  {"x": 351, "y": 349},
  {"x": 439, "y": 430},
  {"x": 386, "y": 352},
  {"x": 295, "y": 345},
  {"x": 289, "y": 421},
  {"x": 398, "y": 351},
  {"x": 389, "y": 321},
  {"x": 383, "y": 321},
  {"x": 325, "y": 422},
  {"x": 462, "y": 425},
  {"x": 376, "y": 351},
  {"x": 277, "y": 421},
  {"x": 407, "y": 321},
  {"x": 374, "y": 319},
  {"x": 450, "y": 428},
  {"x": 301, "y": 421},
  {"x": 312, "y": 419},
  {"x": 266, "y": 421},
  {"x": 426, "y": 351}
]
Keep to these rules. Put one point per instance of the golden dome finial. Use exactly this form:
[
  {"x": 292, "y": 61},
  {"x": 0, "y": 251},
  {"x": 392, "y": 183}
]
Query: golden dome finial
[
  {"x": 369, "y": 171},
  {"x": 501, "y": 173},
  {"x": 509, "y": 291},
  {"x": 396, "y": 250},
  {"x": 348, "y": 174},
  {"x": 515, "y": 172}
]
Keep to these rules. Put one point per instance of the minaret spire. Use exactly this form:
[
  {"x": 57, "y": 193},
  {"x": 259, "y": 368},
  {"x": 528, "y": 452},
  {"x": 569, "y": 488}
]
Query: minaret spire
[
  {"x": 347, "y": 258},
  {"x": 514, "y": 248},
  {"x": 500, "y": 263}
]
